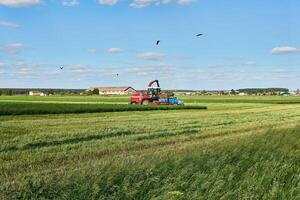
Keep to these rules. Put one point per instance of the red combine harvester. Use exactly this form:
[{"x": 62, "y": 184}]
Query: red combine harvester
[{"x": 153, "y": 95}]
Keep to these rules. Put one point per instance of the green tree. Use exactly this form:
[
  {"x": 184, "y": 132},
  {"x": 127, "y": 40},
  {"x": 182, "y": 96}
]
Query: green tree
[
  {"x": 232, "y": 92},
  {"x": 50, "y": 92},
  {"x": 9, "y": 92},
  {"x": 95, "y": 91}
]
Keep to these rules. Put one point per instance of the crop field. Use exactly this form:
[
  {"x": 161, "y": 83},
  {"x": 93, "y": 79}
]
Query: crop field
[
  {"x": 26, "y": 108},
  {"x": 69, "y": 148}
]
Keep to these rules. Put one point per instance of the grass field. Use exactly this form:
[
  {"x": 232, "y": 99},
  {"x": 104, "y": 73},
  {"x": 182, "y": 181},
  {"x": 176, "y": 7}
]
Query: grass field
[
  {"x": 239, "y": 148},
  {"x": 30, "y": 108}
]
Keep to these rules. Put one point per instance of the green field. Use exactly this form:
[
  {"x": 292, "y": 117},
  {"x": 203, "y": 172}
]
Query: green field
[
  {"x": 34, "y": 108},
  {"x": 239, "y": 148}
]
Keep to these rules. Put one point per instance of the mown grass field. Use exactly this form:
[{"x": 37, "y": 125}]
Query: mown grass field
[{"x": 239, "y": 148}]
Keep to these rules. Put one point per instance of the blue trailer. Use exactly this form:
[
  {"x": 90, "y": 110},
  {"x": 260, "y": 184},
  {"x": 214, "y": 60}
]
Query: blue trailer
[{"x": 172, "y": 101}]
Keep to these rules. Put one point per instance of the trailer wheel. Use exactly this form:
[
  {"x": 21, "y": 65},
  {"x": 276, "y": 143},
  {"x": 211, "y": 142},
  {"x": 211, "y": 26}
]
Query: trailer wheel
[{"x": 145, "y": 102}]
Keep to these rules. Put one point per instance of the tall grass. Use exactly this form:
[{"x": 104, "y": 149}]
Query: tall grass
[{"x": 253, "y": 167}]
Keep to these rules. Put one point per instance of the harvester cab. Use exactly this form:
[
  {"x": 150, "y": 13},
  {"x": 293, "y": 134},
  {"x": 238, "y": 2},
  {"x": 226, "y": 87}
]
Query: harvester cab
[{"x": 154, "y": 90}]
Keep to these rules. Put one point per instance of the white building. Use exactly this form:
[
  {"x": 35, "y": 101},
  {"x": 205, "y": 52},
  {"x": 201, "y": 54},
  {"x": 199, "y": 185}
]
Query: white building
[
  {"x": 114, "y": 90},
  {"x": 36, "y": 93}
]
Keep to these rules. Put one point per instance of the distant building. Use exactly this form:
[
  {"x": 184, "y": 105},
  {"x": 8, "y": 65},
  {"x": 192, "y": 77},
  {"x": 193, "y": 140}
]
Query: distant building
[
  {"x": 285, "y": 94},
  {"x": 242, "y": 94},
  {"x": 36, "y": 93},
  {"x": 114, "y": 90}
]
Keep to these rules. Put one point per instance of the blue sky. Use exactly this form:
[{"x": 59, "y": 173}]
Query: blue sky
[{"x": 245, "y": 43}]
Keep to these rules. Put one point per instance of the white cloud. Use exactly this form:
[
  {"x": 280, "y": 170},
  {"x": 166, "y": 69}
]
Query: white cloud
[
  {"x": 80, "y": 69},
  {"x": 285, "y": 50},
  {"x": 26, "y": 71},
  {"x": 280, "y": 71},
  {"x": 161, "y": 69},
  {"x": 85, "y": 71},
  {"x": 185, "y": 1},
  {"x": 108, "y": 2},
  {"x": 9, "y": 24},
  {"x": 144, "y": 3},
  {"x": 70, "y": 3},
  {"x": 20, "y": 3},
  {"x": 250, "y": 63},
  {"x": 154, "y": 56},
  {"x": 114, "y": 50},
  {"x": 92, "y": 50},
  {"x": 179, "y": 57},
  {"x": 12, "y": 48}
]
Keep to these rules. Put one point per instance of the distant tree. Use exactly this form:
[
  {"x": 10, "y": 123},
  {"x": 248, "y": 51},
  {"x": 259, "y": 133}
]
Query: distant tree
[
  {"x": 50, "y": 92},
  {"x": 9, "y": 92},
  {"x": 75, "y": 92},
  {"x": 232, "y": 92},
  {"x": 88, "y": 92},
  {"x": 264, "y": 91},
  {"x": 0, "y": 92},
  {"x": 95, "y": 91}
]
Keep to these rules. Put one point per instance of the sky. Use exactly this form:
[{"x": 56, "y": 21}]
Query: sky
[{"x": 245, "y": 44}]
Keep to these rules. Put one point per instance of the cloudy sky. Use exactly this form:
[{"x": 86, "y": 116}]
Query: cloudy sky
[{"x": 245, "y": 43}]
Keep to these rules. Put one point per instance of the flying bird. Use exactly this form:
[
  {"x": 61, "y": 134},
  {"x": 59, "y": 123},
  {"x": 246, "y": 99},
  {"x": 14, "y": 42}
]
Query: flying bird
[
  {"x": 200, "y": 34},
  {"x": 117, "y": 74},
  {"x": 61, "y": 68},
  {"x": 157, "y": 42}
]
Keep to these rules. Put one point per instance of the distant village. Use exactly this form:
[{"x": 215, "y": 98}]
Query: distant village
[
  {"x": 127, "y": 90},
  {"x": 241, "y": 92}
]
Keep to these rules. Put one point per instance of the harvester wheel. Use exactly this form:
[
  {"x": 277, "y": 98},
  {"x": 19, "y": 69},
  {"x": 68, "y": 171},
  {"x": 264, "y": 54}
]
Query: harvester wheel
[{"x": 145, "y": 102}]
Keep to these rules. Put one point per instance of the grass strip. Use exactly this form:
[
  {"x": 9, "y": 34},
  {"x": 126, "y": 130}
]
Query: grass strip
[{"x": 16, "y": 108}]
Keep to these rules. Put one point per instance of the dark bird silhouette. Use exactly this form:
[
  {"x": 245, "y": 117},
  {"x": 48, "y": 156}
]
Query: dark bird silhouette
[
  {"x": 157, "y": 42},
  {"x": 117, "y": 74},
  {"x": 200, "y": 34},
  {"x": 61, "y": 67}
]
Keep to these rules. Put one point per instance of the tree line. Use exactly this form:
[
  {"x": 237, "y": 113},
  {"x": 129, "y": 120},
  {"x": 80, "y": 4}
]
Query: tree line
[
  {"x": 273, "y": 91},
  {"x": 48, "y": 91}
]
